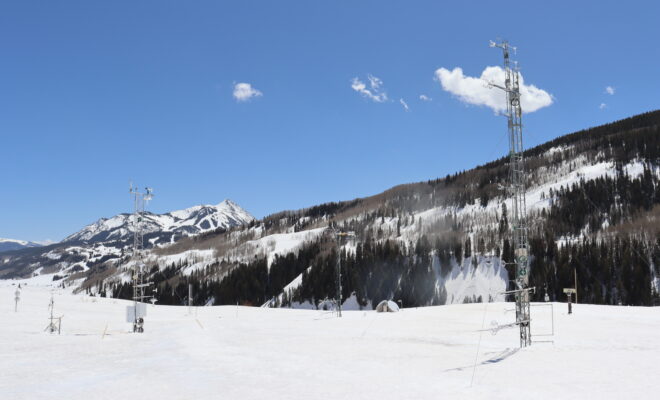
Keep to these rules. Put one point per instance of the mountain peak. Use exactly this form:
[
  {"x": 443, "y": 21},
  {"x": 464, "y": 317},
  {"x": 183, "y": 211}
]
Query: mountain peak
[
  {"x": 228, "y": 203},
  {"x": 174, "y": 224}
]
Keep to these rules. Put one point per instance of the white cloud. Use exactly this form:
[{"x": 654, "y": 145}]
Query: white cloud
[
  {"x": 610, "y": 90},
  {"x": 475, "y": 91},
  {"x": 424, "y": 97},
  {"x": 245, "y": 91},
  {"x": 375, "y": 90},
  {"x": 404, "y": 104},
  {"x": 375, "y": 83},
  {"x": 602, "y": 106}
]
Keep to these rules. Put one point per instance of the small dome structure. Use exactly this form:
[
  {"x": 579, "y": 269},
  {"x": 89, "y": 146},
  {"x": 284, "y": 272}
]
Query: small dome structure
[{"x": 387, "y": 306}]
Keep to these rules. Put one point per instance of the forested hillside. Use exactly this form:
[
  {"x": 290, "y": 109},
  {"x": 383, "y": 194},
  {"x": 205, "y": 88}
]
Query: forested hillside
[{"x": 593, "y": 205}]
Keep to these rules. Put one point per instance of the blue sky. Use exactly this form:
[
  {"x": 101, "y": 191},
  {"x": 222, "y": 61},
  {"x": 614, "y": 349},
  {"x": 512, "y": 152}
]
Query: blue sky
[{"x": 96, "y": 93}]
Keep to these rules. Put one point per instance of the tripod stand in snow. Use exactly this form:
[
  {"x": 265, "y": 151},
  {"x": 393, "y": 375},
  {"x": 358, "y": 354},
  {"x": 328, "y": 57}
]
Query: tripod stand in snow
[{"x": 53, "y": 325}]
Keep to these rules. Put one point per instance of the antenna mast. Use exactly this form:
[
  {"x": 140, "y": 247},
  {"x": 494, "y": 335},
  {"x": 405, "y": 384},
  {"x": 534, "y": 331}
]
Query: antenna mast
[
  {"x": 339, "y": 235},
  {"x": 52, "y": 326},
  {"x": 516, "y": 191},
  {"x": 140, "y": 200}
]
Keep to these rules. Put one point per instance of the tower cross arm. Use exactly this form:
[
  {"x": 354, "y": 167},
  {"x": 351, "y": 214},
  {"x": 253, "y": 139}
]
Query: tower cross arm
[{"x": 491, "y": 84}]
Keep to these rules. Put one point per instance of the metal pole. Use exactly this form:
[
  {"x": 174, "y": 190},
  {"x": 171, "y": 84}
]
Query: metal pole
[
  {"x": 339, "y": 276},
  {"x": 190, "y": 301},
  {"x": 576, "y": 297},
  {"x": 134, "y": 255},
  {"x": 338, "y": 235}
]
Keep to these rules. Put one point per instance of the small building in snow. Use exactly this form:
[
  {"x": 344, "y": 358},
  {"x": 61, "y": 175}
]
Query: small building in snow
[{"x": 387, "y": 306}]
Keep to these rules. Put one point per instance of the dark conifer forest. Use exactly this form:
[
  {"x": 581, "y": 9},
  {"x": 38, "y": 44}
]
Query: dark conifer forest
[{"x": 605, "y": 231}]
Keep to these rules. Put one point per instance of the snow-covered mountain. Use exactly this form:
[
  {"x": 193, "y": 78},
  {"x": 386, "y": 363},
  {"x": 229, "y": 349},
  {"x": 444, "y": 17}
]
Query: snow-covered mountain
[
  {"x": 13, "y": 244},
  {"x": 167, "y": 227},
  {"x": 106, "y": 241}
]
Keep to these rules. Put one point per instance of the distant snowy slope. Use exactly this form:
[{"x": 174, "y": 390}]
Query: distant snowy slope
[
  {"x": 13, "y": 244},
  {"x": 190, "y": 221}
]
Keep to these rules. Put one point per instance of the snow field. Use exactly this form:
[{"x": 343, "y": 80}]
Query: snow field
[{"x": 234, "y": 352}]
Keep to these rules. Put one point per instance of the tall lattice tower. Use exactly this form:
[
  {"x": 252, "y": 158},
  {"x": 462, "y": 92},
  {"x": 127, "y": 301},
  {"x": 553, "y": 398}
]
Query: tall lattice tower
[
  {"x": 138, "y": 270},
  {"x": 516, "y": 189}
]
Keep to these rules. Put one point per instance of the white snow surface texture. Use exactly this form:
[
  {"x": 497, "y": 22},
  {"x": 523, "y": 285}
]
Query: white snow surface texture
[{"x": 229, "y": 352}]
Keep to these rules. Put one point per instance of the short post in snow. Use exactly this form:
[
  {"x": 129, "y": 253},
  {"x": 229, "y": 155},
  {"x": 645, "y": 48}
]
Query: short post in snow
[
  {"x": 569, "y": 292},
  {"x": 16, "y": 299}
]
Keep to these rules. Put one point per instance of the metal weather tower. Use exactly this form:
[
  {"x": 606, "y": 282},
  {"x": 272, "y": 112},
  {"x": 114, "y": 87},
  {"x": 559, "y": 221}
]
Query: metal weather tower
[
  {"x": 516, "y": 191},
  {"x": 138, "y": 270}
]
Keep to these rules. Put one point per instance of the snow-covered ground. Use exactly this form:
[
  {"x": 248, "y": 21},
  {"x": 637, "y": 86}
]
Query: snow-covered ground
[{"x": 255, "y": 353}]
